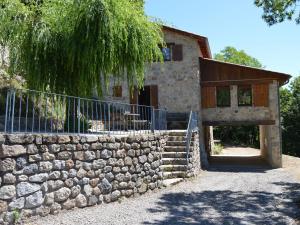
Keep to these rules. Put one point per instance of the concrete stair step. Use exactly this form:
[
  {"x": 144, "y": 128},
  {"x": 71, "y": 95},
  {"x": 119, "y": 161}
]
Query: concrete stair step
[
  {"x": 176, "y": 138},
  {"x": 174, "y": 155},
  {"x": 174, "y": 149},
  {"x": 177, "y": 133},
  {"x": 176, "y": 143},
  {"x": 173, "y": 168},
  {"x": 176, "y": 174},
  {"x": 171, "y": 182},
  {"x": 174, "y": 161}
]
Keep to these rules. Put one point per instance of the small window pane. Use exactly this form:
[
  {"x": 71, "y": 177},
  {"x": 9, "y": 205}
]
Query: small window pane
[
  {"x": 167, "y": 54},
  {"x": 245, "y": 96},
  {"x": 223, "y": 96}
]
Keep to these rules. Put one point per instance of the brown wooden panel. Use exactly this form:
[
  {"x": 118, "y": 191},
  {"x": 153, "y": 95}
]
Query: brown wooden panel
[
  {"x": 154, "y": 96},
  {"x": 260, "y": 95},
  {"x": 208, "y": 97},
  {"x": 177, "y": 53},
  {"x": 117, "y": 91}
]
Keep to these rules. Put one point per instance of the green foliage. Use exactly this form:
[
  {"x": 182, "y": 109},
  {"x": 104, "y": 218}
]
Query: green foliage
[
  {"x": 290, "y": 113},
  {"x": 277, "y": 11},
  {"x": 217, "y": 149},
  {"x": 232, "y": 55},
  {"x": 238, "y": 135},
  {"x": 75, "y": 46},
  {"x": 16, "y": 216}
]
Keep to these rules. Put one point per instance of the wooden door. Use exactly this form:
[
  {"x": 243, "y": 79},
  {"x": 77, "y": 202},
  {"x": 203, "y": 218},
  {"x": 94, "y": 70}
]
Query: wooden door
[{"x": 154, "y": 96}]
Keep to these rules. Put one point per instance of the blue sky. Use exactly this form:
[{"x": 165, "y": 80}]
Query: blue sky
[{"x": 235, "y": 23}]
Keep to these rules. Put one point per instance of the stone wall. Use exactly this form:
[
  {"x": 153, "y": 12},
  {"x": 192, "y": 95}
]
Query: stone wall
[
  {"x": 194, "y": 166},
  {"x": 177, "y": 81},
  {"x": 42, "y": 174}
]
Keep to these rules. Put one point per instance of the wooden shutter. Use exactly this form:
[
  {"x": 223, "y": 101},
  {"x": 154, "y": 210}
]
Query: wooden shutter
[
  {"x": 261, "y": 95},
  {"x": 117, "y": 91},
  {"x": 208, "y": 97},
  {"x": 154, "y": 96},
  {"x": 177, "y": 52}
]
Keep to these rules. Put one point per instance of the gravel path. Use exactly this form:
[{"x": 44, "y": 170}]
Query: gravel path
[{"x": 222, "y": 195}]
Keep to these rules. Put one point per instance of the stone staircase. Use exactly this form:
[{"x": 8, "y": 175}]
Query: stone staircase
[
  {"x": 174, "y": 162},
  {"x": 177, "y": 121}
]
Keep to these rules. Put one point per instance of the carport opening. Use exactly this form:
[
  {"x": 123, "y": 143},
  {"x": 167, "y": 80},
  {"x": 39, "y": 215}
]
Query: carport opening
[{"x": 240, "y": 144}]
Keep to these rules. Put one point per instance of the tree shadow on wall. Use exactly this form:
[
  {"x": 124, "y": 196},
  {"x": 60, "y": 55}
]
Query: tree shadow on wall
[{"x": 229, "y": 207}]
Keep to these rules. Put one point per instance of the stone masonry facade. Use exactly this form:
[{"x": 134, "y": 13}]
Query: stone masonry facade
[{"x": 43, "y": 174}]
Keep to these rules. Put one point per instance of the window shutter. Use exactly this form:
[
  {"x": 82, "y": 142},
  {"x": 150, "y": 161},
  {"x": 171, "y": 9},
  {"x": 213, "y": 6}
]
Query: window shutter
[
  {"x": 208, "y": 96},
  {"x": 261, "y": 95},
  {"x": 177, "y": 52},
  {"x": 117, "y": 91},
  {"x": 154, "y": 96}
]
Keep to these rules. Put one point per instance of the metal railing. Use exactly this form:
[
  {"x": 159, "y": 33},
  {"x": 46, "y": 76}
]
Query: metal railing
[
  {"x": 29, "y": 111},
  {"x": 192, "y": 127}
]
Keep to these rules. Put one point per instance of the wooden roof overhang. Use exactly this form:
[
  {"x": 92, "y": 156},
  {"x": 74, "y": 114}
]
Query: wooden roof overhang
[
  {"x": 217, "y": 73},
  {"x": 202, "y": 41}
]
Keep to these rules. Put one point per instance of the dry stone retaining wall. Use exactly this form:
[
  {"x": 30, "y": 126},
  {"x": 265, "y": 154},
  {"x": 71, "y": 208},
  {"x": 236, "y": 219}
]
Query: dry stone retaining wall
[{"x": 42, "y": 174}]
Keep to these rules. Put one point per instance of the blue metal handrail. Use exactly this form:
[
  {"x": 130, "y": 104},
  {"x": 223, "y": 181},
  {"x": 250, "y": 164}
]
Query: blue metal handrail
[{"x": 192, "y": 127}]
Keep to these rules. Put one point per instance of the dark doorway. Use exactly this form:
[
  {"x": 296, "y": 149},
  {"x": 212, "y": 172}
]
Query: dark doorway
[{"x": 144, "y": 97}]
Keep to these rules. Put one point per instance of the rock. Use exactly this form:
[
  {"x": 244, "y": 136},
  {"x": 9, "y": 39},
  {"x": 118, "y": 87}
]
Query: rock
[
  {"x": 109, "y": 176},
  {"x": 105, "y": 186},
  {"x": 22, "y": 178},
  {"x": 63, "y": 139},
  {"x": 89, "y": 139},
  {"x": 30, "y": 169},
  {"x": 69, "y": 183},
  {"x": 49, "y": 198},
  {"x": 69, "y": 164},
  {"x": 64, "y": 155},
  {"x": 59, "y": 164},
  {"x": 54, "y": 148},
  {"x": 48, "y": 156},
  {"x": 72, "y": 173},
  {"x": 143, "y": 188},
  {"x": 96, "y": 146},
  {"x": 39, "y": 178},
  {"x": 79, "y": 155},
  {"x": 88, "y": 190},
  {"x": 107, "y": 169},
  {"x": 143, "y": 159},
  {"x": 43, "y": 211},
  {"x": 34, "y": 200},
  {"x": 32, "y": 149},
  {"x": 64, "y": 175},
  {"x": 128, "y": 161},
  {"x": 25, "y": 188},
  {"x": 45, "y": 166},
  {"x": 105, "y": 154},
  {"x": 17, "y": 204},
  {"x": 62, "y": 194},
  {"x": 54, "y": 175},
  {"x": 12, "y": 151},
  {"x": 55, "y": 208},
  {"x": 34, "y": 158},
  {"x": 20, "y": 139},
  {"x": 89, "y": 155},
  {"x": 99, "y": 164},
  {"x": 81, "y": 201},
  {"x": 92, "y": 200},
  {"x": 115, "y": 195},
  {"x": 120, "y": 177},
  {"x": 54, "y": 185},
  {"x": 43, "y": 148},
  {"x": 94, "y": 182},
  {"x": 7, "y": 164},
  {"x": 21, "y": 162},
  {"x": 3, "y": 206},
  {"x": 49, "y": 139},
  {"x": 75, "y": 191},
  {"x": 9, "y": 178},
  {"x": 81, "y": 173},
  {"x": 69, "y": 204},
  {"x": 121, "y": 153},
  {"x": 7, "y": 192}
]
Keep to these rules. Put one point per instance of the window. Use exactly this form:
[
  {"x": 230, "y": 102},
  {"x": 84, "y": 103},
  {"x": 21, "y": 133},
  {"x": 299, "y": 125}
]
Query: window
[
  {"x": 245, "y": 95},
  {"x": 223, "y": 96},
  {"x": 172, "y": 52},
  {"x": 117, "y": 91}
]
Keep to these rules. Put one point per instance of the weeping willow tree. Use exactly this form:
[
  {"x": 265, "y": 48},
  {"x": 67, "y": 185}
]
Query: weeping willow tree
[{"x": 75, "y": 46}]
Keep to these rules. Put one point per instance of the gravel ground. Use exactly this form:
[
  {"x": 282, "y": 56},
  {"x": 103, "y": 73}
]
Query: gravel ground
[{"x": 222, "y": 195}]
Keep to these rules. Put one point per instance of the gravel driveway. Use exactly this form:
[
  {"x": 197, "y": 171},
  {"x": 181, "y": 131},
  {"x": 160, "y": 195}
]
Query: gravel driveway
[{"x": 222, "y": 195}]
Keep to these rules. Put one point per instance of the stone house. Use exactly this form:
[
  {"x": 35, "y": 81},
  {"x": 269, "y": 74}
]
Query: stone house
[{"x": 221, "y": 93}]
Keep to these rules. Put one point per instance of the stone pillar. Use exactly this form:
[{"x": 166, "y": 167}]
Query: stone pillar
[
  {"x": 263, "y": 141},
  {"x": 274, "y": 131}
]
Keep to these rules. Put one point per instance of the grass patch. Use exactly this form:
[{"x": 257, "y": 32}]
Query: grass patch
[{"x": 217, "y": 149}]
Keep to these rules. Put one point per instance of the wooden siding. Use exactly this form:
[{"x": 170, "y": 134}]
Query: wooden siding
[
  {"x": 260, "y": 95},
  {"x": 216, "y": 71},
  {"x": 208, "y": 97}
]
